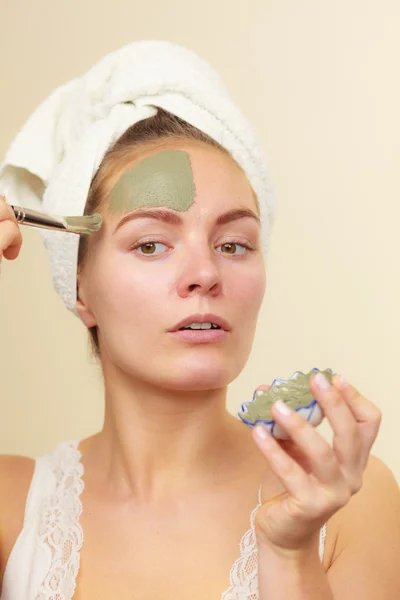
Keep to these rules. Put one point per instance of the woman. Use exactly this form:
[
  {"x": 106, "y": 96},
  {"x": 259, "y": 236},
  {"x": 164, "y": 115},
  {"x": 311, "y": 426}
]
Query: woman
[{"x": 172, "y": 480}]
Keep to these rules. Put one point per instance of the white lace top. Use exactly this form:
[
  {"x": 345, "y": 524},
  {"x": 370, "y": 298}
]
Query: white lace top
[{"x": 44, "y": 561}]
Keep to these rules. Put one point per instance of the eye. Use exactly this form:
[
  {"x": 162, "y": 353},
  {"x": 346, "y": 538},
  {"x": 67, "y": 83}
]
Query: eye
[
  {"x": 231, "y": 247},
  {"x": 149, "y": 248}
]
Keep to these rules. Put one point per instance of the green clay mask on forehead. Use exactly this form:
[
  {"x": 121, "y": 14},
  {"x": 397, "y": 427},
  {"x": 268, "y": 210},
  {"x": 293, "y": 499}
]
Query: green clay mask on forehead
[{"x": 163, "y": 179}]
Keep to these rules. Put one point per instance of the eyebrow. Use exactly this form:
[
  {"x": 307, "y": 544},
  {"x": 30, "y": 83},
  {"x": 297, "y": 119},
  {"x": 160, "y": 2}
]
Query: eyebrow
[{"x": 172, "y": 218}]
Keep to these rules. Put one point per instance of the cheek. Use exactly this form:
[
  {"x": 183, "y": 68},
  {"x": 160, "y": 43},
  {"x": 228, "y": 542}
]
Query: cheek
[
  {"x": 126, "y": 292},
  {"x": 249, "y": 289}
]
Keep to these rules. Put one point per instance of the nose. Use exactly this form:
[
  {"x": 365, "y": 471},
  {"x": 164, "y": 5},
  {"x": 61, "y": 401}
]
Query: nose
[{"x": 200, "y": 275}]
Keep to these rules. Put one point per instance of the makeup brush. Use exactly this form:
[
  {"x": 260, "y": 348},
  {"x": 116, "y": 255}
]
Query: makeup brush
[{"x": 84, "y": 225}]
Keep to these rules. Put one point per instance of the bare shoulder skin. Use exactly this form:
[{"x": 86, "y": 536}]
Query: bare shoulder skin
[
  {"x": 15, "y": 478},
  {"x": 368, "y": 537}
]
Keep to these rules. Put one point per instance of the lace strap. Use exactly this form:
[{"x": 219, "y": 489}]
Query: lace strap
[
  {"x": 322, "y": 536},
  {"x": 243, "y": 578},
  {"x": 59, "y": 527}
]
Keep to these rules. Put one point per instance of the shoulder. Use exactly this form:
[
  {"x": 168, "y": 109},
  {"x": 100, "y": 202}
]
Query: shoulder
[
  {"x": 15, "y": 478},
  {"x": 12, "y": 466},
  {"x": 377, "y": 500},
  {"x": 367, "y": 542}
]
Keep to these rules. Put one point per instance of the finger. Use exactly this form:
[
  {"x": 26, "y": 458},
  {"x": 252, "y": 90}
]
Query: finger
[
  {"x": 290, "y": 474},
  {"x": 6, "y": 212},
  {"x": 10, "y": 239},
  {"x": 367, "y": 415},
  {"x": 347, "y": 438},
  {"x": 320, "y": 457}
]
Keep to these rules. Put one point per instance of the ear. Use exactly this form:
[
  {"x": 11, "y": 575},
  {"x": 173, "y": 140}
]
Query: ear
[{"x": 82, "y": 305}]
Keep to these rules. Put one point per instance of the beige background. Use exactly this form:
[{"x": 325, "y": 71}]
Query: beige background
[{"x": 319, "y": 81}]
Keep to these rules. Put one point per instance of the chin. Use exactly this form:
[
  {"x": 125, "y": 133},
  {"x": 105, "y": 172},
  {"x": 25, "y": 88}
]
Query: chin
[{"x": 201, "y": 375}]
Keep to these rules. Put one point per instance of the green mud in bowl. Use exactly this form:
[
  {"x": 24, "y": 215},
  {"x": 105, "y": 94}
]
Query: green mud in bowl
[{"x": 295, "y": 392}]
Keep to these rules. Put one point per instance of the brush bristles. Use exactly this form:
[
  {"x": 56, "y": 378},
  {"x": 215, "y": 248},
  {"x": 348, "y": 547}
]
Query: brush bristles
[{"x": 85, "y": 225}]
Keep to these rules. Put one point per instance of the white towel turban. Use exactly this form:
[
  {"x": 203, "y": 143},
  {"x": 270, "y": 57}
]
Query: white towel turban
[{"x": 51, "y": 162}]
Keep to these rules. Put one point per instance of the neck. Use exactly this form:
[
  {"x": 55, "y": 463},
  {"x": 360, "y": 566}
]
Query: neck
[{"x": 157, "y": 442}]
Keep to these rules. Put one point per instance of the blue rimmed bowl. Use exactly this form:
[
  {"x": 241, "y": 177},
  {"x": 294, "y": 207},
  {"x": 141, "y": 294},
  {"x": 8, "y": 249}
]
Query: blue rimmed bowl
[{"x": 295, "y": 392}]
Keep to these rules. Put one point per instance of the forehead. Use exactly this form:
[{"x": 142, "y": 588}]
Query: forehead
[
  {"x": 208, "y": 174},
  {"x": 219, "y": 180},
  {"x": 217, "y": 168},
  {"x": 164, "y": 178}
]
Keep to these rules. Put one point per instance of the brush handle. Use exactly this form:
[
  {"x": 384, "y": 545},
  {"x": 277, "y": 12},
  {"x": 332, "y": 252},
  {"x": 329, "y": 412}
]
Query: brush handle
[{"x": 34, "y": 218}]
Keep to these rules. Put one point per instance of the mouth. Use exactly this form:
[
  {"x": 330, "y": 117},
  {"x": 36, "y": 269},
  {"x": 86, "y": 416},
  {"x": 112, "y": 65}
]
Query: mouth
[
  {"x": 199, "y": 327},
  {"x": 200, "y": 323},
  {"x": 200, "y": 336}
]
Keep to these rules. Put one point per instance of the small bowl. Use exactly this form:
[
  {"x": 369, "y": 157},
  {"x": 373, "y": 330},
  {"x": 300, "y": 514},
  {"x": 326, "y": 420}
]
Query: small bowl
[{"x": 295, "y": 392}]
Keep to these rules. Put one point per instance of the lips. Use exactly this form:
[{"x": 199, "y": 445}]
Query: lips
[{"x": 208, "y": 318}]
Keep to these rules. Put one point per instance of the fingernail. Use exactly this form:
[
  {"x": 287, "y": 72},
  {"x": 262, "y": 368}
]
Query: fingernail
[
  {"x": 322, "y": 382},
  {"x": 283, "y": 409},
  {"x": 344, "y": 381},
  {"x": 261, "y": 433}
]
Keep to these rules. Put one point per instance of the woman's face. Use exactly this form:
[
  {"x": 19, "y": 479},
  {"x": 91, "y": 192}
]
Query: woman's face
[{"x": 148, "y": 274}]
